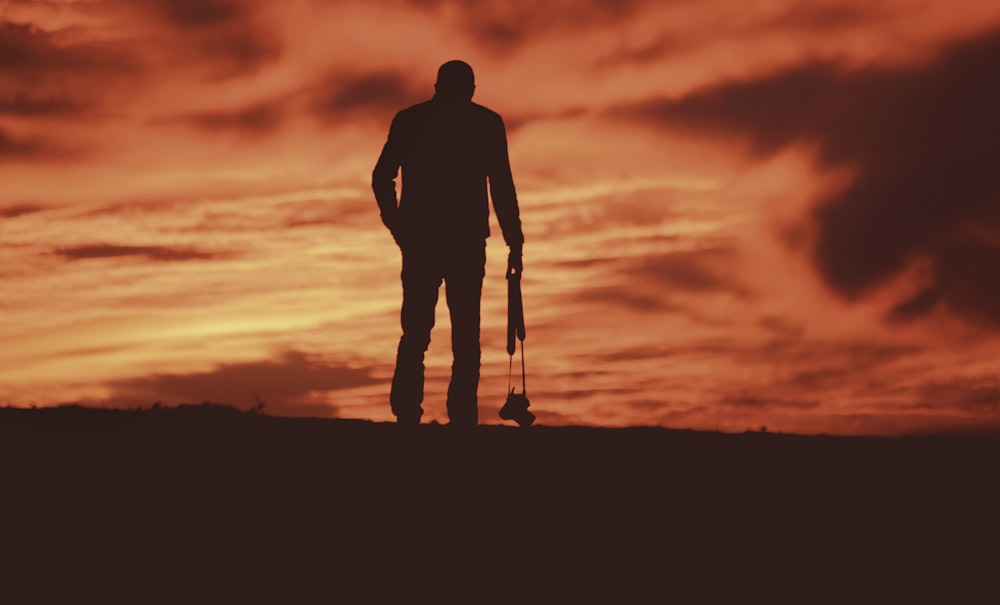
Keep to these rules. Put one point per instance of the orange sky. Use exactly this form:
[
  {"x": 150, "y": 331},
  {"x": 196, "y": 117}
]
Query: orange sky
[{"x": 736, "y": 213}]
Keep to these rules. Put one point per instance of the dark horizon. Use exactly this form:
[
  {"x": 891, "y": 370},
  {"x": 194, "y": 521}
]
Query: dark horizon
[
  {"x": 491, "y": 421},
  {"x": 210, "y": 504}
]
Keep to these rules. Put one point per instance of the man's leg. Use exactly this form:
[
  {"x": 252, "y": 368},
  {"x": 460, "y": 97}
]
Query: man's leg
[
  {"x": 463, "y": 290},
  {"x": 421, "y": 280}
]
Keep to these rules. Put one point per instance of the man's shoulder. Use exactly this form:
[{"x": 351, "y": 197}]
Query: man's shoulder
[
  {"x": 428, "y": 111},
  {"x": 413, "y": 110},
  {"x": 486, "y": 113}
]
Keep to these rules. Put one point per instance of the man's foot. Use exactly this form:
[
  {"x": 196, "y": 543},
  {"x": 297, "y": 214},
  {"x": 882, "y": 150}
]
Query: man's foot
[{"x": 408, "y": 420}]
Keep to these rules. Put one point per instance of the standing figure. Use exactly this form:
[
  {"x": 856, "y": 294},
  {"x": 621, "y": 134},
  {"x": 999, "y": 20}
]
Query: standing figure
[{"x": 448, "y": 148}]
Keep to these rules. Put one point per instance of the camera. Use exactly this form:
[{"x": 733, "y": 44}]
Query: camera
[{"x": 516, "y": 409}]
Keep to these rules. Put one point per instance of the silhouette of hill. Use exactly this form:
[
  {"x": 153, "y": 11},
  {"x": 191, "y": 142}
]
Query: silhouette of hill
[{"x": 209, "y": 504}]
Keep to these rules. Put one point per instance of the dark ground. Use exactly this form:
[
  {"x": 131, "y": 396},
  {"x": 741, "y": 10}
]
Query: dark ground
[{"x": 209, "y": 504}]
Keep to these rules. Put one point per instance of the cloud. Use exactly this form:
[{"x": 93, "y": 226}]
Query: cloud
[
  {"x": 515, "y": 121},
  {"x": 824, "y": 17},
  {"x": 690, "y": 270},
  {"x": 153, "y": 253},
  {"x": 231, "y": 36},
  {"x": 501, "y": 25},
  {"x": 783, "y": 327},
  {"x": 974, "y": 395},
  {"x": 658, "y": 282},
  {"x": 340, "y": 96},
  {"x": 704, "y": 270},
  {"x": 11, "y": 146},
  {"x": 64, "y": 74},
  {"x": 28, "y": 106},
  {"x": 203, "y": 13},
  {"x": 17, "y": 210},
  {"x": 253, "y": 120},
  {"x": 632, "y": 300},
  {"x": 753, "y": 401},
  {"x": 794, "y": 19},
  {"x": 379, "y": 94},
  {"x": 286, "y": 385},
  {"x": 28, "y": 148},
  {"x": 921, "y": 142},
  {"x": 221, "y": 39},
  {"x": 29, "y": 51}
]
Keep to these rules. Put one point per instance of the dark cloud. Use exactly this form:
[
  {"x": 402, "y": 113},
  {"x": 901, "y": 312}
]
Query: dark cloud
[
  {"x": 825, "y": 19},
  {"x": 346, "y": 95},
  {"x": 701, "y": 270},
  {"x": 753, "y": 401},
  {"x": 63, "y": 74},
  {"x": 16, "y": 210},
  {"x": 630, "y": 299},
  {"x": 228, "y": 37},
  {"x": 286, "y": 385},
  {"x": 656, "y": 283},
  {"x": 800, "y": 369},
  {"x": 33, "y": 148},
  {"x": 515, "y": 121},
  {"x": 842, "y": 360},
  {"x": 707, "y": 270},
  {"x": 14, "y": 148},
  {"x": 31, "y": 52},
  {"x": 25, "y": 105},
  {"x": 254, "y": 120},
  {"x": 204, "y": 13},
  {"x": 326, "y": 212},
  {"x": 236, "y": 51},
  {"x": 221, "y": 38},
  {"x": 804, "y": 363},
  {"x": 500, "y": 25},
  {"x": 919, "y": 304},
  {"x": 922, "y": 142},
  {"x": 154, "y": 253},
  {"x": 339, "y": 96},
  {"x": 783, "y": 327},
  {"x": 642, "y": 53},
  {"x": 974, "y": 395}
]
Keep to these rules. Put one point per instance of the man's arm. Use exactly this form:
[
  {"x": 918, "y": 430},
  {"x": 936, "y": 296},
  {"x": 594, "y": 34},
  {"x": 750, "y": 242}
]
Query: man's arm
[
  {"x": 505, "y": 198},
  {"x": 384, "y": 177}
]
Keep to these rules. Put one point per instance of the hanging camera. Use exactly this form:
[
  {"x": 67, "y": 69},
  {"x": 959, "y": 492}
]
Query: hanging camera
[
  {"x": 516, "y": 406},
  {"x": 516, "y": 409}
]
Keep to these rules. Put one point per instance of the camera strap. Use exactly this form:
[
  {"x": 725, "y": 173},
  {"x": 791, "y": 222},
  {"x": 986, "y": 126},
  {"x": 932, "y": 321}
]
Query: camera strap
[{"x": 515, "y": 326}]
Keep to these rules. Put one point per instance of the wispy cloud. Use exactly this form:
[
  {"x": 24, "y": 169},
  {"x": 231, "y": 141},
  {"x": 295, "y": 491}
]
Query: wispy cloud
[
  {"x": 15, "y": 210},
  {"x": 342, "y": 95},
  {"x": 153, "y": 253},
  {"x": 222, "y": 39},
  {"x": 286, "y": 385},
  {"x": 30, "y": 52},
  {"x": 26, "y": 106},
  {"x": 253, "y": 120},
  {"x": 503, "y": 26},
  {"x": 29, "y": 148}
]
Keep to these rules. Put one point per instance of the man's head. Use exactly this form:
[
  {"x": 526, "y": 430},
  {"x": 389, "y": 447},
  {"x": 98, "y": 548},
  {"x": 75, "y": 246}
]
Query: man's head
[{"x": 455, "y": 81}]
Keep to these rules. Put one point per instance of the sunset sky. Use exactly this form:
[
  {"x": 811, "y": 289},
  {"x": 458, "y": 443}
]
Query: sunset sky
[{"x": 737, "y": 213}]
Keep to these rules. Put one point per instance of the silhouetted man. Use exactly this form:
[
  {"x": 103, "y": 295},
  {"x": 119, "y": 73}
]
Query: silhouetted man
[{"x": 448, "y": 149}]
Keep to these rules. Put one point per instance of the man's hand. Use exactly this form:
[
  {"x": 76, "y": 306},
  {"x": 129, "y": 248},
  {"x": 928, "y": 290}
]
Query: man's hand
[{"x": 514, "y": 263}]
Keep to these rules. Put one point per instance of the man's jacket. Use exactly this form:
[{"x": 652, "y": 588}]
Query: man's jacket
[{"x": 448, "y": 152}]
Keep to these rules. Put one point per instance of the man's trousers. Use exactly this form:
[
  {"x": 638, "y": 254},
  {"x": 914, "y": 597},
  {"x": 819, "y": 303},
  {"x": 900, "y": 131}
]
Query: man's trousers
[{"x": 461, "y": 268}]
